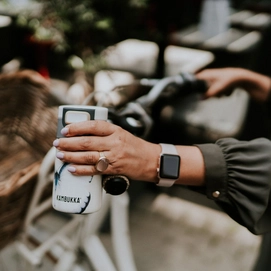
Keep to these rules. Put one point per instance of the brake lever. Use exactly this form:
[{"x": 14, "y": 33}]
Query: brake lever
[{"x": 133, "y": 118}]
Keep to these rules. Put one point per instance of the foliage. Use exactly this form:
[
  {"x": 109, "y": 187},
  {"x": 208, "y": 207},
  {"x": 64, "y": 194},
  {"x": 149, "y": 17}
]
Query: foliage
[{"x": 84, "y": 28}]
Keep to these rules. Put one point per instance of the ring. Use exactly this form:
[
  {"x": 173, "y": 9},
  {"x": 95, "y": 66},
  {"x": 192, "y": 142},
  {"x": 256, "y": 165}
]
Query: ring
[{"x": 102, "y": 163}]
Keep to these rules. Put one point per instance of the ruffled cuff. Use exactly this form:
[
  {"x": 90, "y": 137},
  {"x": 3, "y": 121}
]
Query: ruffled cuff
[
  {"x": 243, "y": 180},
  {"x": 215, "y": 171}
]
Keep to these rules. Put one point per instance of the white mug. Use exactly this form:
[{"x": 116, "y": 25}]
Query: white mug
[{"x": 76, "y": 194}]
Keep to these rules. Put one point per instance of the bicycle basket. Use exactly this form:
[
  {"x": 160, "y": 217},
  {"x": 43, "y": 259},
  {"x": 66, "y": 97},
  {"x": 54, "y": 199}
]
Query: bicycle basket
[
  {"x": 15, "y": 194},
  {"x": 27, "y": 130}
]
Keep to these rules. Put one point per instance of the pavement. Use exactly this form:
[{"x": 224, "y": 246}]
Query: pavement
[
  {"x": 178, "y": 235},
  {"x": 173, "y": 230}
]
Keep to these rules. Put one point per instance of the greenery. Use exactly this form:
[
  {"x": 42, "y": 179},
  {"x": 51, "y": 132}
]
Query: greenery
[{"x": 84, "y": 28}]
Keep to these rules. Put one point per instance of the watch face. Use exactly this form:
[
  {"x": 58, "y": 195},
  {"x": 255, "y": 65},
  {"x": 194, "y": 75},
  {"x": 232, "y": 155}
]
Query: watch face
[{"x": 169, "y": 166}]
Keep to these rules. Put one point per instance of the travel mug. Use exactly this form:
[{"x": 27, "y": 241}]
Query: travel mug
[{"x": 76, "y": 194}]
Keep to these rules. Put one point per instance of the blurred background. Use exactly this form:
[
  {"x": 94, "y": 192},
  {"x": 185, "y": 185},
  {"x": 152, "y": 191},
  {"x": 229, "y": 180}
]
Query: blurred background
[
  {"x": 85, "y": 46},
  {"x": 58, "y": 38},
  {"x": 85, "y": 29}
]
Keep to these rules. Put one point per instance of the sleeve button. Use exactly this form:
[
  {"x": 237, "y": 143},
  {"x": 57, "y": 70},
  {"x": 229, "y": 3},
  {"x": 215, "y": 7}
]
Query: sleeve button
[{"x": 216, "y": 194}]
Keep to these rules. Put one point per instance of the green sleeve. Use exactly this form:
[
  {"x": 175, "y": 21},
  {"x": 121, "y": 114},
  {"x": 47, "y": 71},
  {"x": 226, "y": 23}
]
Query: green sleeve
[{"x": 238, "y": 178}]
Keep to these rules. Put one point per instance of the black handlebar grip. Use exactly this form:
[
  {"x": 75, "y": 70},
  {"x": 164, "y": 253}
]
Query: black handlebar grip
[
  {"x": 195, "y": 84},
  {"x": 201, "y": 86}
]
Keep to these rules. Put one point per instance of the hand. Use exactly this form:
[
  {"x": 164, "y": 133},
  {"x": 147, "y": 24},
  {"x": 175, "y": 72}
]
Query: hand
[
  {"x": 128, "y": 155},
  {"x": 225, "y": 80}
]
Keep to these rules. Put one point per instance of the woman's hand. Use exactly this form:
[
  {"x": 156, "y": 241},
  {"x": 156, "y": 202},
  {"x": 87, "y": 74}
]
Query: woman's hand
[
  {"x": 225, "y": 80},
  {"x": 128, "y": 155}
]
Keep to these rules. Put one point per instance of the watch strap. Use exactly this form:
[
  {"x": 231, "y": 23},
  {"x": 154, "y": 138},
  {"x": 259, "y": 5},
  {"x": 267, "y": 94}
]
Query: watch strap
[{"x": 166, "y": 149}]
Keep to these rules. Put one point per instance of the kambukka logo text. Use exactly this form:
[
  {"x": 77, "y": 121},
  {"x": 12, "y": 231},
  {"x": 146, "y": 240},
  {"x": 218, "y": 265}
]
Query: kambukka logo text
[{"x": 68, "y": 199}]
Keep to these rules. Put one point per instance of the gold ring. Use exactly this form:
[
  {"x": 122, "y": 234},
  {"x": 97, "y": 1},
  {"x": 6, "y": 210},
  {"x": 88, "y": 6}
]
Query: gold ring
[{"x": 102, "y": 163}]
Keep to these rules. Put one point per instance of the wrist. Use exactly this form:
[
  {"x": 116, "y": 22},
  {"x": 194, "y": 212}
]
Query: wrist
[
  {"x": 240, "y": 75},
  {"x": 147, "y": 168},
  {"x": 192, "y": 169}
]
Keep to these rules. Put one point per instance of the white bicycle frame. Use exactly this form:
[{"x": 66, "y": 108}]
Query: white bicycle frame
[{"x": 81, "y": 232}]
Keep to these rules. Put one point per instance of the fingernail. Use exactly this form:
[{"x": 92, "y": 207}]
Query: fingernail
[
  {"x": 56, "y": 143},
  {"x": 71, "y": 169},
  {"x": 60, "y": 155},
  {"x": 64, "y": 131}
]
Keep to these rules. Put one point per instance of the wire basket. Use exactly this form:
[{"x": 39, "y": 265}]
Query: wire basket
[{"x": 27, "y": 130}]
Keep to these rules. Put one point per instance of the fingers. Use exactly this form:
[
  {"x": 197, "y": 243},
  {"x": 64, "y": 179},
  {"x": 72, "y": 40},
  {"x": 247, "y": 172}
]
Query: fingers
[
  {"x": 97, "y": 127},
  {"x": 209, "y": 76},
  {"x": 204, "y": 75},
  {"x": 83, "y": 170},
  {"x": 81, "y": 143},
  {"x": 216, "y": 89},
  {"x": 219, "y": 81},
  {"x": 82, "y": 163},
  {"x": 89, "y": 143},
  {"x": 89, "y": 135},
  {"x": 84, "y": 158}
]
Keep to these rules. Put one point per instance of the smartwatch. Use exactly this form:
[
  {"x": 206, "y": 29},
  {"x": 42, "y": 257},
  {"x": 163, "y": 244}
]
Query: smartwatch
[{"x": 169, "y": 165}]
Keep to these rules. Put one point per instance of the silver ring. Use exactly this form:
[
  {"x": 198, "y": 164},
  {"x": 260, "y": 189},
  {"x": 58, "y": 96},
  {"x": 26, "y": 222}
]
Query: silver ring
[{"x": 102, "y": 163}]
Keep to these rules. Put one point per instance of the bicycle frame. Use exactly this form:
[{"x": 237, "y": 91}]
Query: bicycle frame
[{"x": 84, "y": 230}]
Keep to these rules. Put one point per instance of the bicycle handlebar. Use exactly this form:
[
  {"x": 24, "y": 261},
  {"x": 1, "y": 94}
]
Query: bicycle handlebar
[{"x": 135, "y": 116}]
